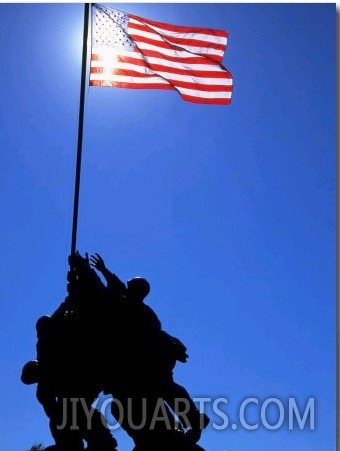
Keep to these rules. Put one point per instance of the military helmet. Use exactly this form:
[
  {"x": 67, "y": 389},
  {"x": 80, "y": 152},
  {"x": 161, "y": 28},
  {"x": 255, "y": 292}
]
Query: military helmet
[
  {"x": 138, "y": 286},
  {"x": 43, "y": 324},
  {"x": 30, "y": 372}
]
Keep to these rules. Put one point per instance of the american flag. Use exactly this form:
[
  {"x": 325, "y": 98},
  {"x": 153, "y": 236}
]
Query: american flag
[{"x": 132, "y": 52}]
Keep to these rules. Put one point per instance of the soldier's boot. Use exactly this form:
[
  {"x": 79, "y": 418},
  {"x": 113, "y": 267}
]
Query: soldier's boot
[{"x": 99, "y": 437}]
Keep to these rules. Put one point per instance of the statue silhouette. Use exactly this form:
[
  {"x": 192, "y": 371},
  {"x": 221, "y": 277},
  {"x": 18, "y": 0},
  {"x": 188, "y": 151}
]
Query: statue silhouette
[
  {"x": 104, "y": 338},
  {"x": 152, "y": 352},
  {"x": 64, "y": 372}
]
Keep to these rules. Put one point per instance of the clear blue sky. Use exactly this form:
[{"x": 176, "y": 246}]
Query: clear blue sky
[{"x": 229, "y": 211}]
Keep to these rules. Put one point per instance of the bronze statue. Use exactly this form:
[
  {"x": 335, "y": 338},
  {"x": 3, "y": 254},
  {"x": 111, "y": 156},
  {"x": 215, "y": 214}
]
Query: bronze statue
[{"x": 105, "y": 338}]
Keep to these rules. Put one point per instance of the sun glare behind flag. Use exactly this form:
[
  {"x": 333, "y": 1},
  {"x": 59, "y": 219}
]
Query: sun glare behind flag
[{"x": 132, "y": 52}]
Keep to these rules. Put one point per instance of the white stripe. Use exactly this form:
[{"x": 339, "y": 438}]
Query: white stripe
[
  {"x": 185, "y": 66},
  {"x": 168, "y": 75},
  {"x": 205, "y": 94},
  {"x": 198, "y": 80},
  {"x": 157, "y": 37},
  {"x": 127, "y": 79},
  {"x": 189, "y": 48},
  {"x": 188, "y": 35},
  {"x": 178, "y": 53},
  {"x": 134, "y": 80},
  {"x": 153, "y": 60}
]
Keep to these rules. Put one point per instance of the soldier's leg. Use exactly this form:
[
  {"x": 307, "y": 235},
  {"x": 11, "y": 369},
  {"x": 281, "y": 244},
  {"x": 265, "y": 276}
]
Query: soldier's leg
[
  {"x": 182, "y": 404},
  {"x": 67, "y": 435},
  {"x": 98, "y": 436}
]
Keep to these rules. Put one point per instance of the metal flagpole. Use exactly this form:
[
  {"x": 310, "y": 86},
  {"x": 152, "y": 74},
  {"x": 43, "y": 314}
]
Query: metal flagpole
[{"x": 80, "y": 128}]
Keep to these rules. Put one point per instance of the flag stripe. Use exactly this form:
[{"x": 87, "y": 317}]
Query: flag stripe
[
  {"x": 130, "y": 78},
  {"x": 138, "y": 65},
  {"x": 132, "y": 52},
  {"x": 178, "y": 28},
  {"x": 179, "y": 58},
  {"x": 175, "y": 78},
  {"x": 205, "y": 44},
  {"x": 130, "y": 84},
  {"x": 178, "y": 82},
  {"x": 136, "y": 82},
  {"x": 187, "y": 43},
  {"x": 137, "y": 58},
  {"x": 168, "y": 49},
  {"x": 182, "y": 40}
]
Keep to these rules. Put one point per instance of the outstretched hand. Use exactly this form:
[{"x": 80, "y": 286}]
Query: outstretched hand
[{"x": 97, "y": 261}]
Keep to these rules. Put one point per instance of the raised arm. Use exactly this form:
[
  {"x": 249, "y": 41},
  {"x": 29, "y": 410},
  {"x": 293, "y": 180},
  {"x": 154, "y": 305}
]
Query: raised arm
[{"x": 113, "y": 281}]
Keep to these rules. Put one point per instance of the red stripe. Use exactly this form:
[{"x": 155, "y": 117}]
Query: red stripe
[
  {"x": 174, "y": 82},
  {"x": 122, "y": 72},
  {"x": 195, "y": 43},
  {"x": 200, "y": 87},
  {"x": 173, "y": 70},
  {"x": 147, "y": 53},
  {"x": 214, "y": 101},
  {"x": 195, "y": 99},
  {"x": 180, "y": 29},
  {"x": 165, "y": 45},
  {"x": 96, "y": 57},
  {"x": 152, "y": 53},
  {"x": 129, "y": 85},
  {"x": 211, "y": 87},
  {"x": 172, "y": 39},
  {"x": 195, "y": 59}
]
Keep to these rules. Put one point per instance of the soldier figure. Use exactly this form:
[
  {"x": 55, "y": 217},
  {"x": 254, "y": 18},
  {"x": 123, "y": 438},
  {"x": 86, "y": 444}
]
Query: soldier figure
[
  {"x": 152, "y": 353},
  {"x": 134, "y": 357},
  {"x": 64, "y": 370}
]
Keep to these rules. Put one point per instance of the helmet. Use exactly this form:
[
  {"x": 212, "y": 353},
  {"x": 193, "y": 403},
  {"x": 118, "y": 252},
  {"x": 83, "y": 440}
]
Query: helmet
[
  {"x": 43, "y": 324},
  {"x": 30, "y": 372},
  {"x": 138, "y": 287}
]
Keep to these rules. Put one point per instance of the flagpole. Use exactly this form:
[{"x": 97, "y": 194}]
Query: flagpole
[{"x": 80, "y": 128}]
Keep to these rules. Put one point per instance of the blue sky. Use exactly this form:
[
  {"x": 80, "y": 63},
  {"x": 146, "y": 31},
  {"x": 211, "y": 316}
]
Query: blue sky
[{"x": 229, "y": 211}]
